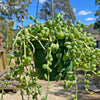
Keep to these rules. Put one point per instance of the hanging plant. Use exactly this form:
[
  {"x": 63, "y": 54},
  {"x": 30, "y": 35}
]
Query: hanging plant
[{"x": 66, "y": 49}]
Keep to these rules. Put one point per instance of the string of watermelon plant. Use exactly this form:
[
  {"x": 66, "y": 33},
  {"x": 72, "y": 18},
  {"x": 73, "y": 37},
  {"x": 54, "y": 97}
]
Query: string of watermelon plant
[
  {"x": 48, "y": 58},
  {"x": 22, "y": 61},
  {"x": 66, "y": 48}
]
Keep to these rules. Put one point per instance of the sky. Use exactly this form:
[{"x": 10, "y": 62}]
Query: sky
[{"x": 84, "y": 11}]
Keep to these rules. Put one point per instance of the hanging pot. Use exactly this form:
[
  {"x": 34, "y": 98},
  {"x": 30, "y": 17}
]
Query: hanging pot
[{"x": 39, "y": 60}]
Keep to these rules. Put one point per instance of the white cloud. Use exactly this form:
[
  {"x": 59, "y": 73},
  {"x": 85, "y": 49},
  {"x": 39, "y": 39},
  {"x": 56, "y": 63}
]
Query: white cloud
[
  {"x": 74, "y": 10},
  {"x": 84, "y": 12},
  {"x": 42, "y": 1},
  {"x": 89, "y": 19}
]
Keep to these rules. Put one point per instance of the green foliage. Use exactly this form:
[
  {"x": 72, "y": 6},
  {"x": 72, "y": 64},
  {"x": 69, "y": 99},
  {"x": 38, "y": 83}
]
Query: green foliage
[
  {"x": 9, "y": 9},
  {"x": 9, "y": 35},
  {"x": 97, "y": 2},
  {"x": 3, "y": 28},
  {"x": 97, "y": 14},
  {"x": 76, "y": 46},
  {"x": 97, "y": 24},
  {"x": 12, "y": 10}
]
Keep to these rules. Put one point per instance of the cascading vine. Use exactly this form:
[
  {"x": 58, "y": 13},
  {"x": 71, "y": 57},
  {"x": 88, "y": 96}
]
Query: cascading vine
[{"x": 67, "y": 44}]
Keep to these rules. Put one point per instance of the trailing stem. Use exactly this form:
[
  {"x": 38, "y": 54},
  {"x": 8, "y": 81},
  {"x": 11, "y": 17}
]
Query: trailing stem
[
  {"x": 14, "y": 44},
  {"x": 24, "y": 50},
  {"x": 48, "y": 78},
  {"x": 38, "y": 41},
  {"x": 22, "y": 93},
  {"x": 76, "y": 86},
  {"x": 48, "y": 86}
]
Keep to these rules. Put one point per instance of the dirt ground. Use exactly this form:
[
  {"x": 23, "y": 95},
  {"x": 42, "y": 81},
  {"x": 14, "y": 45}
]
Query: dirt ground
[{"x": 58, "y": 93}]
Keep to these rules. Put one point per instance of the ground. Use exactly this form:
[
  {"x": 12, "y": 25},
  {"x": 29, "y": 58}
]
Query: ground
[{"x": 58, "y": 93}]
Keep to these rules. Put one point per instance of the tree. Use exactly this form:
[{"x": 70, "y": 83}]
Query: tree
[
  {"x": 11, "y": 9},
  {"x": 3, "y": 27},
  {"x": 10, "y": 34},
  {"x": 59, "y": 6},
  {"x": 97, "y": 14}
]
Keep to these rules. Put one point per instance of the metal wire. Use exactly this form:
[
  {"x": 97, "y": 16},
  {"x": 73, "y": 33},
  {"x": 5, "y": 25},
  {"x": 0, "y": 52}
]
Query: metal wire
[
  {"x": 52, "y": 11},
  {"x": 37, "y": 9},
  {"x": 70, "y": 12}
]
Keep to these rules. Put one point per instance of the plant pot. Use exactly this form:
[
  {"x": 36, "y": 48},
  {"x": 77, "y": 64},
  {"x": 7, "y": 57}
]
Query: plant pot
[{"x": 39, "y": 60}]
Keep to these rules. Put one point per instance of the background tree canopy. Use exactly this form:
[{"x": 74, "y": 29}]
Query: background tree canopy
[
  {"x": 59, "y": 6},
  {"x": 97, "y": 14},
  {"x": 11, "y": 9},
  {"x": 3, "y": 28}
]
